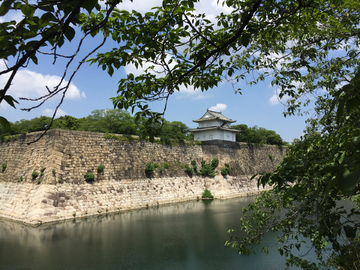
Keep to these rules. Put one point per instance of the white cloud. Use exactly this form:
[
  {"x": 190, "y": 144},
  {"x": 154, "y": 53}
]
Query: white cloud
[
  {"x": 12, "y": 16},
  {"x": 218, "y": 108},
  {"x": 50, "y": 112},
  {"x": 83, "y": 95},
  {"x": 30, "y": 84},
  {"x": 274, "y": 100}
]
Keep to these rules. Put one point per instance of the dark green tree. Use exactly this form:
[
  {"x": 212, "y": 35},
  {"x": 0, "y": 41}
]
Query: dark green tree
[
  {"x": 67, "y": 122},
  {"x": 257, "y": 135},
  {"x": 111, "y": 121},
  {"x": 320, "y": 168}
]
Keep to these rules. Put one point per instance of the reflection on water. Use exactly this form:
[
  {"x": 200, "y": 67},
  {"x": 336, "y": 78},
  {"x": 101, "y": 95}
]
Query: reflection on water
[{"x": 181, "y": 236}]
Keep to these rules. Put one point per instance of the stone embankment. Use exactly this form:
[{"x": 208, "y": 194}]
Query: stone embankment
[{"x": 61, "y": 192}]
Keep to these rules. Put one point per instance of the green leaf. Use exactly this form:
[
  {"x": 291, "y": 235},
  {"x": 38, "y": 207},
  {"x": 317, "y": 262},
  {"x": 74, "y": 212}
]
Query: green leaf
[
  {"x": 245, "y": 39},
  {"x": 5, "y": 6},
  {"x": 342, "y": 157},
  {"x": 350, "y": 231},
  {"x": 89, "y": 5},
  {"x": 5, "y": 123},
  {"x": 10, "y": 100},
  {"x": 349, "y": 180},
  {"x": 356, "y": 140},
  {"x": 28, "y": 10},
  {"x": 69, "y": 33},
  {"x": 110, "y": 70}
]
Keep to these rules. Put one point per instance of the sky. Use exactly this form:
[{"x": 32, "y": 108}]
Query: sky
[{"x": 91, "y": 89}]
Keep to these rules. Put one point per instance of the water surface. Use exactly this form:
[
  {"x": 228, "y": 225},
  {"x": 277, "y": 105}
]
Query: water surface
[{"x": 188, "y": 235}]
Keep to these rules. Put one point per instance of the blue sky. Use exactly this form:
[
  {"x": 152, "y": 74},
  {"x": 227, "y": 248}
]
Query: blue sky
[{"x": 92, "y": 87}]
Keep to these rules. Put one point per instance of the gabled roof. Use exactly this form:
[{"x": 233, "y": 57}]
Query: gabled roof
[{"x": 212, "y": 115}]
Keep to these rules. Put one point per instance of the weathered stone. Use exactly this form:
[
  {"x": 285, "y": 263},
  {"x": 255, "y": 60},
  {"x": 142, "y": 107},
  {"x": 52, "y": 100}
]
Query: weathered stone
[{"x": 123, "y": 182}]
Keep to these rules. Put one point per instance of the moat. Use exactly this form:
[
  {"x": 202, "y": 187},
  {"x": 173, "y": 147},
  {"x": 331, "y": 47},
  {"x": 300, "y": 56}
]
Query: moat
[{"x": 187, "y": 235}]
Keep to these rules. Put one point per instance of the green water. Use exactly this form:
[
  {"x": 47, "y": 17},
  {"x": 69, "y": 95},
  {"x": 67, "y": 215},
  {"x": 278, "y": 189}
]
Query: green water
[{"x": 181, "y": 236}]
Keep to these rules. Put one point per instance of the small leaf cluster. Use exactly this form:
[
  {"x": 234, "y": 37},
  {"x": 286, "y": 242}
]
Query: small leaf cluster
[
  {"x": 34, "y": 175},
  {"x": 89, "y": 176},
  {"x": 207, "y": 194},
  {"x": 149, "y": 169},
  {"x": 3, "y": 167},
  {"x": 100, "y": 168},
  {"x": 188, "y": 170},
  {"x": 208, "y": 169},
  {"x": 226, "y": 170}
]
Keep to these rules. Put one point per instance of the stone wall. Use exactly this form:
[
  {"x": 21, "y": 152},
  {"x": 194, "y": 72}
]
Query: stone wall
[{"x": 123, "y": 184}]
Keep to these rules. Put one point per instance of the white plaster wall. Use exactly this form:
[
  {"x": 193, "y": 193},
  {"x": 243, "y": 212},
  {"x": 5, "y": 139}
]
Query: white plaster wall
[
  {"x": 211, "y": 123},
  {"x": 229, "y": 136},
  {"x": 208, "y": 135}
]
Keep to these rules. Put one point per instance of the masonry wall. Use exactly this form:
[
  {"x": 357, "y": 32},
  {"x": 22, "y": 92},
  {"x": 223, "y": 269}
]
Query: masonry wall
[{"x": 123, "y": 184}]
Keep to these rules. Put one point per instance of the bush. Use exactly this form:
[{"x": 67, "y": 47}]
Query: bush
[
  {"x": 149, "y": 169},
  {"x": 3, "y": 167},
  {"x": 166, "y": 165},
  {"x": 53, "y": 172},
  {"x": 271, "y": 157},
  {"x": 156, "y": 165},
  {"x": 42, "y": 170},
  {"x": 89, "y": 176},
  {"x": 8, "y": 138},
  {"x": 194, "y": 167},
  {"x": 214, "y": 162},
  {"x": 348, "y": 257},
  {"x": 34, "y": 174},
  {"x": 188, "y": 170},
  {"x": 226, "y": 170},
  {"x": 207, "y": 194},
  {"x": 207, "y": 170},
  {"x": 100, "y": 168}
]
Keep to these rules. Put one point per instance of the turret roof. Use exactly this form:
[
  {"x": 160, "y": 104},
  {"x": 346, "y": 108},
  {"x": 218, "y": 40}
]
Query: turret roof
[{"x": 212, "y": 115}]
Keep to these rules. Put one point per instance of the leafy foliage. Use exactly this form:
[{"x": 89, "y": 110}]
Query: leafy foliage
[
  {"x": 194, "y": 166},
  {"x": 291, "y": 41},
  {"x": 188, "y": 169},
  {"x": 208, "y": 169},
  {"x": 44, "y": 24},
  {"x": 149, "y": 169},
  {"x": 100, "y": 168},
  {"x": 34, "y": 175},
  {"x": 257, "y": 135},
  {"x": 156, "y": 165},
  {"x": 89, "y": 176},
  {"x": 226, "y": 170},
  {"x": 166, "y": 165},
  {"x": 319, "y": 169},
  {"x": 207, "y": 194},
  {"x": 107, "y": 121},
  {"x": 3, "y": 167}
]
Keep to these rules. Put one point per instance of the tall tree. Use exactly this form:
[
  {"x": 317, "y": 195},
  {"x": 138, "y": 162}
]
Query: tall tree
[
  {"x": 113, "y": 121},
  {"x": 257, "y": 135},
  {"x": 320, "y": 169},
  {"x": 305, "y": 46}
]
